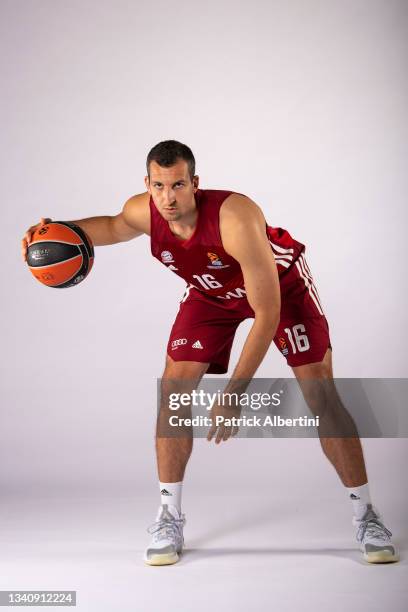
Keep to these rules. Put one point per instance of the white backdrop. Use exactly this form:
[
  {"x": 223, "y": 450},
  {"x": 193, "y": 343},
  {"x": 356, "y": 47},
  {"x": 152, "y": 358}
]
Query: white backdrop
[{"x": 300, "y": 105}]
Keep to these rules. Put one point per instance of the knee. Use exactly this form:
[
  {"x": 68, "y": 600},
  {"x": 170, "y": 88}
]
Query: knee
[
  {"x": 319, "y": 392},
  {"x": 180, "y": 377}
]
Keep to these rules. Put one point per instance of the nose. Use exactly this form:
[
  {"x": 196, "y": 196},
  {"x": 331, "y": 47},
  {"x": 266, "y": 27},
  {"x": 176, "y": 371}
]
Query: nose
[{"x": 168, "y": 196}]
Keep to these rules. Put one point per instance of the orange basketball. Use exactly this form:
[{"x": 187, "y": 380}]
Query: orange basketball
[{"x": 60, "y": 254}]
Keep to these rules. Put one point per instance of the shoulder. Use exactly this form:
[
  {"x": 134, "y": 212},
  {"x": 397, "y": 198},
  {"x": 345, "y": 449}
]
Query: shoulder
[
  {"x": 239, "y": 210},
  {"x": 138, "y": 201},
  {"x": 137, "y": 204},
  {"x": 137, "y": 211},
  {"x": 243, "y": 230}
]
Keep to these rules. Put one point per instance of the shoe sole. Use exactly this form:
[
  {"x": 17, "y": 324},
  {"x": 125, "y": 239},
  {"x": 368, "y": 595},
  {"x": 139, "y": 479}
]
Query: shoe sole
[
  {"x": 168, "y": 559},
  {"x": 381, "y": 557}
]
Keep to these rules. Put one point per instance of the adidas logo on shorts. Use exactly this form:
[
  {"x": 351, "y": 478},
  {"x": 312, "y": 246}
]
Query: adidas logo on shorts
[{"x": 197, "y": 344}]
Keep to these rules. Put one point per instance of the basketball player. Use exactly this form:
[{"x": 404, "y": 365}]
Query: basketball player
[{"x": 236, "y": 267}]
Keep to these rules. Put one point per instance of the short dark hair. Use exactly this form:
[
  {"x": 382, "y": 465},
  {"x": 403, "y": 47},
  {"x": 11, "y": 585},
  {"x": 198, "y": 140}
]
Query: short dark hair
[{"x": 168, "y": 152}]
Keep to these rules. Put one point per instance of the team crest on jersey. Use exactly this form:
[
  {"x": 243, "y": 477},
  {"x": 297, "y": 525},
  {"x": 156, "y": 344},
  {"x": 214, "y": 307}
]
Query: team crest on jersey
[
  {"x": 167, "y": 257},
  {"x": 216, "y": 262},
  {"x": 283, "y": 346}
]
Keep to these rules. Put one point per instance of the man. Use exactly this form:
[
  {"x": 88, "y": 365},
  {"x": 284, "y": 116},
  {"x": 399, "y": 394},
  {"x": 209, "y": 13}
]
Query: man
[{"x": 236, "y": 267}]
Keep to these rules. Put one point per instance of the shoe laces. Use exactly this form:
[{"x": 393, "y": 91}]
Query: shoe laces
[
  {"x": 373, "y": 528},
  {"x": 165, "y": 529}
]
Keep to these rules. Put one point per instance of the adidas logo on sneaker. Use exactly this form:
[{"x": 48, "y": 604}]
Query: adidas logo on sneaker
[
  {"x": 165, "y": 492},
  {"x": 352, "y": 496},
  {"x": 197, "y": 344}
]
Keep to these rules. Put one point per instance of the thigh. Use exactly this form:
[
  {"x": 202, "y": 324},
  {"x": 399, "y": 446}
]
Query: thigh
[
  {"x": 303, "y": 333},
  {"x": 203, "y": 332},
  {"x": 189, "y": 370},
  {"x": 322, "y": 369}
]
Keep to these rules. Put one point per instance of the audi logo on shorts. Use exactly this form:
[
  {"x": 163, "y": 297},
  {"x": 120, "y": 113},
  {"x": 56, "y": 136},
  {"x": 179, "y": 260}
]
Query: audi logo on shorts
[{"x": 179, "y": 342}]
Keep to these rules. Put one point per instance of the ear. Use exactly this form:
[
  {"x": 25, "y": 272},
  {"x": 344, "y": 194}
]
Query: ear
[
  {"x": 196, "y": 180},
  {"x": 147, "y": 183}
]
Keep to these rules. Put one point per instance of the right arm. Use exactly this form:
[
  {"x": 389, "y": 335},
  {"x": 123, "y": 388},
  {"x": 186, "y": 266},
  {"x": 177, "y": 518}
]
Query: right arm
[{"x": 132, "y": 221}]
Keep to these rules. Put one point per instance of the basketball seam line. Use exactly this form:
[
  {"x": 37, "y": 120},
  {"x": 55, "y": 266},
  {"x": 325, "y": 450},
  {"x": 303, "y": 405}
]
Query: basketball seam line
[
  {"x": 59, "y": 242},
  {"x": 74, "y": 274},
  {"x": 75, "y": 229}
]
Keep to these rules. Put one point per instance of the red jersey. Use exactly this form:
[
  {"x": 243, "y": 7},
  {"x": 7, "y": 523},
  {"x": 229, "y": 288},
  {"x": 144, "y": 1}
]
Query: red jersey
[{"x": 202, "y": 261}]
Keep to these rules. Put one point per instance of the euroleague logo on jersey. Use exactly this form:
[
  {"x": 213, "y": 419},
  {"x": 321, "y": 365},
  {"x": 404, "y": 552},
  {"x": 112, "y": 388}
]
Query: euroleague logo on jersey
[{"x": 216, "y": 262}]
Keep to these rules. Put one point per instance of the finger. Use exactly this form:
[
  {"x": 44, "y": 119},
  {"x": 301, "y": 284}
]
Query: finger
[
  {"x": 227, "y": 434},
  {"x": 29, "y": 233},
  {"x": 220, "y": 434},
  {"x": 211, "y": 432},
  {"x": 24, "y": 249}
]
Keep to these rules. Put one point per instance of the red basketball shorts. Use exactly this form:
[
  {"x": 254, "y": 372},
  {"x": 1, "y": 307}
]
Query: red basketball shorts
[{"x": 205, "y": 326}]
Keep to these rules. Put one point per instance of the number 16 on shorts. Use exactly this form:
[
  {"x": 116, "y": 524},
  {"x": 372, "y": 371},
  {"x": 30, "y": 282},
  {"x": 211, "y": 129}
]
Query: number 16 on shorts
[{"x": 298, "y": 338}]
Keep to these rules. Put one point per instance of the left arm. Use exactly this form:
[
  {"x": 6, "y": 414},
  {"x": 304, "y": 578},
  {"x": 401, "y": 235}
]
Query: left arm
[{"x": 243, "y": 233}]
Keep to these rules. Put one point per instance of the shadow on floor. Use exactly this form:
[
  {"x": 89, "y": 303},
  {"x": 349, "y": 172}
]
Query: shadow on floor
[{"x": 191, "y": 555}]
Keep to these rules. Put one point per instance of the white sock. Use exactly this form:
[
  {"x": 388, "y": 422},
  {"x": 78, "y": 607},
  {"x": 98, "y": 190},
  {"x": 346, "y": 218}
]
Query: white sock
[
  {"x": 360, "y": 497},
  {"x": 171, "y": 493}
]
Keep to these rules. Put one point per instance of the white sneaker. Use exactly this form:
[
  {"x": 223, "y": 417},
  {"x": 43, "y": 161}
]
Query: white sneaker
[
  {"x": 375, "y": 538},
  {"x": 167, "y": 541}
]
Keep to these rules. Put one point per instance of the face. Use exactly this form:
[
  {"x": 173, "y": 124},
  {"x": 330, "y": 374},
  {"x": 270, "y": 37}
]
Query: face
[{"x": 172, "y": 190}]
